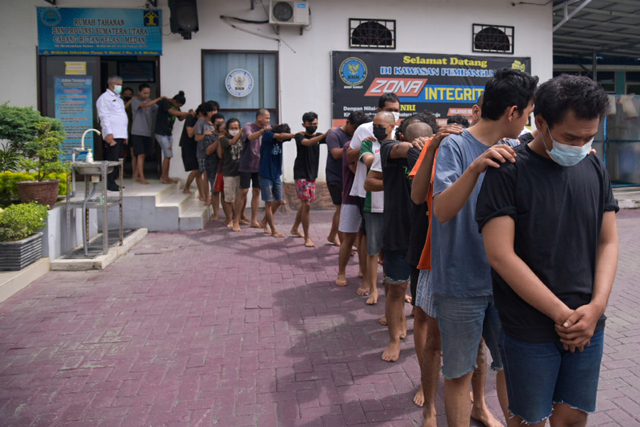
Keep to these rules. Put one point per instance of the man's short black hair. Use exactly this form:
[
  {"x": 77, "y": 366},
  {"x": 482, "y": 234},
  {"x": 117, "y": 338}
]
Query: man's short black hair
[
  {"x": 556, "y": 97},
  {"x": 215, "y": 105},
  {"x": 204, "y": 108},
  {"x": 387, "y": 97},
  {"x": 261, "y": 112},
  {"x": 143, "y": 86},
  {"x": 309, "y": 117},
  {"x": 356, "y": 118},
  {"x": 508, "y": 87},
  {"x": 458, "y": 120},
  {"x": 281, "y": 128},
  {"x": 216, "y": 116}
]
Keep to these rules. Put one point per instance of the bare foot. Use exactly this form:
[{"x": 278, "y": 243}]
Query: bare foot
[
  {"x": 229, "y": 224},
  {"x": 202, "y": 199},
  {"x": 243, "y": 222},
  {"x": 335, "y": 241},
  {"x": 186, "y": 190},
  {"x": 360, "y": 274},
  {"x": 236, "y": 228},
  {"x": 471, "y": 397},
  {"x": 392, "y": 353},
  {"x": 363, "y": 290},
  {"x": 255, "y": 225},
  {"x": 485, "y": 417},
  {"x": 216, "y": 216},
  {"x": 407, "y": 299},
  {"x": 244, "y": 218},
  {"x": 166, "y": 180},
  {"x": 341, "y": 280},
  {"x": 296, "y": 233},
  {"x": 265, "y": 226},
  {"x": 135, "y": 178},
  {"x": 372, "y": 300},
  {"x": 308, "y": 243},
  {"x": 276, "y": 233},
  {"x": 418, "y": 399},
  {"x": 383, "y": 321},
  {"x": 144, "y": 182}
]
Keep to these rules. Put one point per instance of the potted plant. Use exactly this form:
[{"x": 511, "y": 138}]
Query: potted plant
[
  {"x": 20, "y": 244},
  {"x": 42, "y": 155},
  {"x": 35, "y": 140}
]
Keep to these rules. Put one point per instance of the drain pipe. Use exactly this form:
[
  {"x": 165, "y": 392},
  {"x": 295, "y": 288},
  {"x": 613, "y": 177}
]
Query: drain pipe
[{"x": 84, "y": 221}]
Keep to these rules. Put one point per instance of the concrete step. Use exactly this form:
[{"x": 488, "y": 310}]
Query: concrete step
[{"x": 159, "y": 207}]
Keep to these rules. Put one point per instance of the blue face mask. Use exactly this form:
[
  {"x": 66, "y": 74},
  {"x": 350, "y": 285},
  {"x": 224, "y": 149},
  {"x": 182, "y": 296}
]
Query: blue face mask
[{"x": 566, "y": 155}]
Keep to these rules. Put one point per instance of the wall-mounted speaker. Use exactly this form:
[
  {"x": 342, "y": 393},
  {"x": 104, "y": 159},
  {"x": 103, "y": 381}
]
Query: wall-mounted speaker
[{"x": 184, "y": 17}]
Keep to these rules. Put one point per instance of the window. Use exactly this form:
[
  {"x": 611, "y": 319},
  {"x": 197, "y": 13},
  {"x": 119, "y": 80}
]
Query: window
[
  {"x": 372, "y": 33},
  {"x": 493, "y": 38},
  {"x": 262, "y": 66}
]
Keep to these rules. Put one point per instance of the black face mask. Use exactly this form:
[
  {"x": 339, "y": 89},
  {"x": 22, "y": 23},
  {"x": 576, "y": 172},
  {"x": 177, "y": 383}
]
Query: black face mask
[
  {"x": 380, "y": 133},
  {"x": 126, "y": 98},
  {"x": 311, "y": 129}
]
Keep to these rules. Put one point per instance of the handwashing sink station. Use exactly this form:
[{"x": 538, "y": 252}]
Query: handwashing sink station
[{"x": 84, "y": 168}]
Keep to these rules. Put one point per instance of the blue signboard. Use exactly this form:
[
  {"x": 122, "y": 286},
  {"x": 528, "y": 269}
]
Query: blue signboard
[
  {"x": 74, "y": 108},
  {"x": 80, "y": 31}
]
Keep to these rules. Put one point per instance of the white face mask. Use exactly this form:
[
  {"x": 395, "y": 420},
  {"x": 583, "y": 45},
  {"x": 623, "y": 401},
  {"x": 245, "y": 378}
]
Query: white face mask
[
  {"x": 396, "y": 116},
  {"x": 233, "y": 132},
  {"x": 564, "y": 154}
]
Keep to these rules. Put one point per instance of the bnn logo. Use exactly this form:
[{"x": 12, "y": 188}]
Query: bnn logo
[{"x": 401, "y": 87}]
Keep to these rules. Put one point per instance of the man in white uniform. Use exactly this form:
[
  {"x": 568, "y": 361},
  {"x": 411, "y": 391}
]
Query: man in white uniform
[{"x": 114, "y": 122}]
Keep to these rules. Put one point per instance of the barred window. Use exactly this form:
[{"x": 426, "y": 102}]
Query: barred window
[
  {"x": 493, "y": 38},
  {"x": 372, "y": 33}
]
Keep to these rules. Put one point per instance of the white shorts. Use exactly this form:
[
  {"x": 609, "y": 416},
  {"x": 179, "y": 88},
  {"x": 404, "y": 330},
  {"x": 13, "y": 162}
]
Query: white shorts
[{"x": 350, "y": 219}]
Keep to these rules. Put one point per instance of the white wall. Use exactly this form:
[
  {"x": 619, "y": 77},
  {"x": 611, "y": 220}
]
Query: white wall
[{"x": 423, "y": 26}]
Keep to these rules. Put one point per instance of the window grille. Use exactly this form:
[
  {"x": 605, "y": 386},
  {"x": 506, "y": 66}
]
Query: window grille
[
  {"x": 372, "y": 33},
  {"x": 493, "y": 38}
]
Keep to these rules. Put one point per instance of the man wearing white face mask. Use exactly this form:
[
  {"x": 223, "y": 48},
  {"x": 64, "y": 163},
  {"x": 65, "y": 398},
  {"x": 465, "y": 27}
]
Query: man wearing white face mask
[
  {"x": 549, "y": 228},
  {"x": 114, "y": 122}
]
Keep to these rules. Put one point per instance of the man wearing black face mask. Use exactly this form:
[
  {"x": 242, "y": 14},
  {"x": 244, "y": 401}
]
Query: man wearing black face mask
[{"x": 305, "y": 172}]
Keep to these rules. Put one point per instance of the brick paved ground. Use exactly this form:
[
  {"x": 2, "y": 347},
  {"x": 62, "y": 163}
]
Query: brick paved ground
[{"x": 211, "y": 328}]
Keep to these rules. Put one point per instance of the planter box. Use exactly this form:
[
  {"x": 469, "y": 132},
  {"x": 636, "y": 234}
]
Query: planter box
[{"x": 15, "y": 256}]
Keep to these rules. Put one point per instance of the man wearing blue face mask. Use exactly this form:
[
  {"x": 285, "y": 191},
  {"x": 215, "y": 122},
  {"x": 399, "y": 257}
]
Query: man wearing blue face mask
[
  {"x": 114, "y": 123},
  {"x": 549, "y": 229}
]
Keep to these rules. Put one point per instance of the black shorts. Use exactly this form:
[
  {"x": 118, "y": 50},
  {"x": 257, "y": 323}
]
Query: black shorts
[
  {"x": 141, "y": 145},
  {"x": 413, "y": 284},
  {"x": 189, "y": 157},
  {"x": 335, "y": 190},
  {"x": 248, "y": 179}
]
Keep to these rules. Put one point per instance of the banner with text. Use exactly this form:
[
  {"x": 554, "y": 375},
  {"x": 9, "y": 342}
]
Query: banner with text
[
  {"x": 445, "y": 85},
  {"x": 74, "y": 108},
  {"x": 80, "y": 31}
]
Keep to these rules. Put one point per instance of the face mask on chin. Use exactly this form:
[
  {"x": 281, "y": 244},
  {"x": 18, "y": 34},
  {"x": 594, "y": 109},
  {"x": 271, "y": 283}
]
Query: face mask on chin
[{"x": 564, "y": 154}]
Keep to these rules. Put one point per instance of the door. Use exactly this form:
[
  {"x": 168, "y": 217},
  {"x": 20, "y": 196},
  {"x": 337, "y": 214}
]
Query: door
[{"x": 68, "y": 90}]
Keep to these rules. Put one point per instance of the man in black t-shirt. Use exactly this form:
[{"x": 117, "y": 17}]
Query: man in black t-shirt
[
  {"x": 305, "y": 172},
  {"x": 549, "y": 228}
]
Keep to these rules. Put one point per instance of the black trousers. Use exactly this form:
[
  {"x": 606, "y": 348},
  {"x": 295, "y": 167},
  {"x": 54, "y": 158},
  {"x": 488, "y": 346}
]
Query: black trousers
[{"x": 113, "y": 153}]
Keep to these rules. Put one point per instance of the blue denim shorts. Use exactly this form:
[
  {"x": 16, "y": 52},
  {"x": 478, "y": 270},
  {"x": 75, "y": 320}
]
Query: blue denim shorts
[
  {"x": 271, "y": 189},
  {"x": 462, "y": 322},
  {"x": 541, "y": 374},
  {"x": 396, "y": 267},
  {"x": 165, "y": 141},
  {"x": 373, "y": 225}
]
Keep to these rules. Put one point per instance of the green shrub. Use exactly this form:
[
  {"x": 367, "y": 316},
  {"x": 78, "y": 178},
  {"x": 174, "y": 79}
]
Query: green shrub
[
  {"x": 9, "y": 158},
  {"x": 20, "y": 221},
  {"x": 20, "y": 125},
  {"x": 42, "y": 155}
]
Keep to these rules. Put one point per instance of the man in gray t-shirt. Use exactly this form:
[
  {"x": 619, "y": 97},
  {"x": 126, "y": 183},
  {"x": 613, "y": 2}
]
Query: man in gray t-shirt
[
  {"x": 462, "y": 287},
  {"x": 143, "y": 112}
]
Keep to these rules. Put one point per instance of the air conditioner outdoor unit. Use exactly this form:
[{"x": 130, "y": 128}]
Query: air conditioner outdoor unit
[{"x": 289, "y": 12}]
